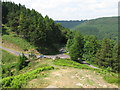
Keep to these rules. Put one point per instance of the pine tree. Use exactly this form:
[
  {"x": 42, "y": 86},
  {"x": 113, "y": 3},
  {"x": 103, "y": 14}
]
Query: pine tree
[
  {"x": 76, "y": 49},
  {"x": 91, "y": 46},
  {"x": 104, "y": 54}
]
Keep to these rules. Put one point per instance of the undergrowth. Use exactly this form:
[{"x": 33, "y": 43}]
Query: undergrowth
[{"x": 19, "y": 80}]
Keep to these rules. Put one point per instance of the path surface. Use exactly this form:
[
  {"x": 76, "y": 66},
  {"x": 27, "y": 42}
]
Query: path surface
[
  {"x": 71, "y": 78},
  {"x": 47, "y": 56},
  {"x": 89, "y": 65}
]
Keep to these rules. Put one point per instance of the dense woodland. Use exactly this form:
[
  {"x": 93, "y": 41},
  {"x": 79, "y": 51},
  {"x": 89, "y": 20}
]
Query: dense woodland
[
  {"x": 103, "y": 53},
  {"x": 41, "y": 31},
  {"x": 44, "y": 33}
]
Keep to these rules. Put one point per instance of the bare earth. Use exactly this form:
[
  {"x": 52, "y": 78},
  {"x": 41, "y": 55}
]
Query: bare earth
[{"x": 71, "y": 78}]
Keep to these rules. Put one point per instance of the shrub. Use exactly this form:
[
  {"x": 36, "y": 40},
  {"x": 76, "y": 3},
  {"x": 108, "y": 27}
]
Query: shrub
[{"x": 19, "y": 80}]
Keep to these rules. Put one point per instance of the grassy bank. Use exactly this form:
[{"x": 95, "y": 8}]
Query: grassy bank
[
  {"x": 22, "y": 79},
  {"x": 23, "y": 44},
  {"x": 110, "y": 77}
]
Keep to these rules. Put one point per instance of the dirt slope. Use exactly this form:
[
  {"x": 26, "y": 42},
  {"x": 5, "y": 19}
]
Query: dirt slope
[{"x": 71, "y": 78}]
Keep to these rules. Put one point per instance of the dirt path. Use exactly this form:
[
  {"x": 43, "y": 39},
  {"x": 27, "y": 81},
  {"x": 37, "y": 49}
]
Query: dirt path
[
  {"x": 72, "y": 78},
  {"x": 77, "y": 78},
  {"x": 47, "y": 56}
]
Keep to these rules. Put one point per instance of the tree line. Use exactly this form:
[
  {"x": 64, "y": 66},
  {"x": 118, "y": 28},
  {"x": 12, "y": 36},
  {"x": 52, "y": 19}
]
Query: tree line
[
  {"x": 44, "y": 33},
  {"x": 32, "y": 26},
  {"x": 103, "y": 52}
]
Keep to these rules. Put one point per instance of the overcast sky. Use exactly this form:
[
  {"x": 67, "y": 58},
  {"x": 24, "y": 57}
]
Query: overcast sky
[{"x": 72, "y": 9}]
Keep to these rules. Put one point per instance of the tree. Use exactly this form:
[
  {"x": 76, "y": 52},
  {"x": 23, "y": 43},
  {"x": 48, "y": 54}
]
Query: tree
[
  {"x": 76, "y": 49},
  {"x": 115, "y": 59},
  {"x": 91, "y": 46},
  {"x": 104, "y": 54}
]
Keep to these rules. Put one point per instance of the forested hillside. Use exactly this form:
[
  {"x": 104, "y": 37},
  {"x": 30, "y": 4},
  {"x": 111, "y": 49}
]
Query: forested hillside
[
  {"x": 84, "y": 57},
  {"x": 70, "y": 23},
  {"x": 30, "y": 25},
  {"x": 106, "y": 27}
]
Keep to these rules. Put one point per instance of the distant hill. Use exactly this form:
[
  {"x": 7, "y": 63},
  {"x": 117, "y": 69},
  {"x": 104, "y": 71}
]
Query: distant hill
[
  {"x": 70, "y": 24},
  {"x": 106, "y": 27}
]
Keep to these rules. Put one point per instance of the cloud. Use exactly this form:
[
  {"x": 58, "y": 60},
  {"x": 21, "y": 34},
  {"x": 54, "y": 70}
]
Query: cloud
[{"x": 73, "y": 9}]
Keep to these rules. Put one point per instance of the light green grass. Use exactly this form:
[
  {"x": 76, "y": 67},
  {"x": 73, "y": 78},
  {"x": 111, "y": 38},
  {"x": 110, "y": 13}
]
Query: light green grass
[
  {"x": 22, "y": 79},
  {"x": 110, "y": 77},
  {"x": 23, "y": 44},
  {"x": 8, "y": 57},
  {"x": 70, "y": 63}
]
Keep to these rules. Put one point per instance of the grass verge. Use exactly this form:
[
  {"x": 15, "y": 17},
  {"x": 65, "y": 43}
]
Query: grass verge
[
  {"x": 23, "y": 44},
  {"x": 70, "y": 63},
  {"x": 19, "y": 80},
  {"x": 8, "y": 57}
]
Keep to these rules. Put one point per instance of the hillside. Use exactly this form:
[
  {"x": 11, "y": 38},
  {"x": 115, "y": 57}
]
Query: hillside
[
  {"x": 106, "y": 27},
  {"x": 61, "y": 73},
  {"x": 40, "y": 53},
  {"x": 70, "y": 23},
  {"x": 41, "y": 32}
]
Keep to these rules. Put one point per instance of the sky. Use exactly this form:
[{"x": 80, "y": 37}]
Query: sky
[{"x": 72, "y": 9}]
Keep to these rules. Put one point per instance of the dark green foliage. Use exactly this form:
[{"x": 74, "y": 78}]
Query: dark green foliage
[
  {"x": 107, "y": 55},
  {"x": 32, "y": 26},
  {"x": 22, "y": 62},
  {"x": 19, "y": 80},
  {"x": 75, "y": 46},
  {"x": 104, "y": 55},
  {"x": 69, "y": 41},
  {"x": 4, "y": 30},
  {"x": 104, "y": 52},
  {"x": 115, "y": 59},
  {"x": 91, "y": 46}
]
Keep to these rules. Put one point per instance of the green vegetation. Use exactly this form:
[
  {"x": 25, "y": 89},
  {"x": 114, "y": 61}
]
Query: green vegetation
[
  {"x": 42, "y": 32},
  {"x": 91, "y": 45},
  {"x": 8, "y": 58},
  {"x": 76, "y": 49},
  {"x": 22, "y": 62},
  {"x": 19, "y": 80},
  {"x": 99, "y": 46},
  {"x": 70, "y": 63},
  {"x": 104, "y": 52},
  {"x": 110, "y": 77},
  {"x": 70, "y": 24},
  {"x": 23, "y": 44},
  {"x": 9, "y": 62},
  {"x": 106, "y": 27}
]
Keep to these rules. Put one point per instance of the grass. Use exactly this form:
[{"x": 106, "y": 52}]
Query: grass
[
  {"x": 21, "y": 79},
  {"x": 70, "y": 63},
  {"x": 23, "y": 44},
  {"x": 110, "y": 77},
  {"x": 8, "y": 58}
]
